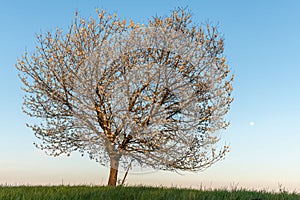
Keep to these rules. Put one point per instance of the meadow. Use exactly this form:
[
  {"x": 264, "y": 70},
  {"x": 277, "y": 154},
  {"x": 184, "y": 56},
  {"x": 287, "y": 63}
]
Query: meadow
[{"x": 132, "y": 193}]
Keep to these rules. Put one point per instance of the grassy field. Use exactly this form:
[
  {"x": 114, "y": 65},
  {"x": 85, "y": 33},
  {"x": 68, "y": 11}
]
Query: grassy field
[{"x": 131, "y": 193}]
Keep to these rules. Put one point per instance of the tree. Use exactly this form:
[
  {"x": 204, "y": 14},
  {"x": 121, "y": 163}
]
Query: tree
[{"x": 120, "y": 91}]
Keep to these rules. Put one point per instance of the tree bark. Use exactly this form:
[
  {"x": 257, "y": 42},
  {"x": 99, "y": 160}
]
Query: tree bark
[{"x": 113, "y": 175}]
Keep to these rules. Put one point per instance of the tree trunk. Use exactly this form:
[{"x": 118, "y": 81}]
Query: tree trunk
[{"x": 113, "y": 175}]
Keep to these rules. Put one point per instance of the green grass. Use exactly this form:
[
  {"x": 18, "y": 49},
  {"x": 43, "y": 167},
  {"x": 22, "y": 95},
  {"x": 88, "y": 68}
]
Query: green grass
[{"x": 131, "y": 193}]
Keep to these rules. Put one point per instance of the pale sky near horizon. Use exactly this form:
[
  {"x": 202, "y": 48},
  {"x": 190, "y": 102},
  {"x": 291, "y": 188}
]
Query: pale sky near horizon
[{"x": 262, "y": 48}]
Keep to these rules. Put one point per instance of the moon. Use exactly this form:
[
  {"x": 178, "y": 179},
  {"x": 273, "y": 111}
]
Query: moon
[{"x": 251, "y": 123}]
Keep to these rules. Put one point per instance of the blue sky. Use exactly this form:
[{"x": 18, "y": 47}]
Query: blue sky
[{"x": 262, "y": 47}]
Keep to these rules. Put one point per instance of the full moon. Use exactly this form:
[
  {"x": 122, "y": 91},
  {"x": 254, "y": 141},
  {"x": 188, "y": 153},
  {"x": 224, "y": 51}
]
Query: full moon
[{"x": 251, "y": 123}]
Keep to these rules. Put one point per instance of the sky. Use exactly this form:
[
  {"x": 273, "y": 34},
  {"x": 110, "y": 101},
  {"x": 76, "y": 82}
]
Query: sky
[{"x": 262, "y": 49}]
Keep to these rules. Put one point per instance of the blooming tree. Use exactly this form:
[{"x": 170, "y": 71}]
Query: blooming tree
[{"x": 154, "y": 94}]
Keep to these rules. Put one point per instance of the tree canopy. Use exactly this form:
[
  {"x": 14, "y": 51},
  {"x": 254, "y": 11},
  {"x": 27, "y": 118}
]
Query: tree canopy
[{"x": 121, "y": 91}]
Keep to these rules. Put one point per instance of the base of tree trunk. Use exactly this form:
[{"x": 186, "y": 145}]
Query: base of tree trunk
[{"x": 113, "y": 175}]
